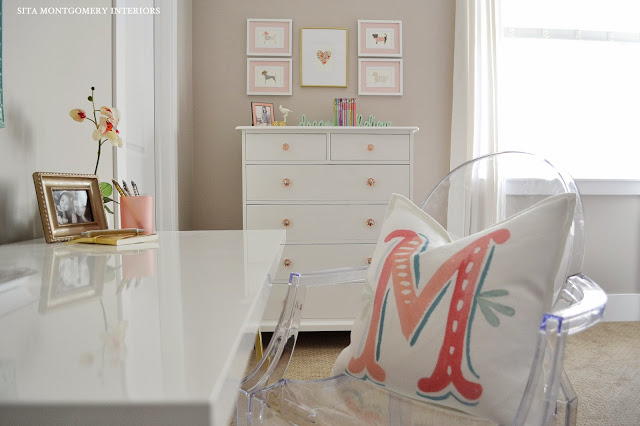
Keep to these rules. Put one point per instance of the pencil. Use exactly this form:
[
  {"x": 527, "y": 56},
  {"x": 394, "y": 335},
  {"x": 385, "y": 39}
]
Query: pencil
[
  {"x": 118, "y": 188},
  {"x": 126, "y": 189}
]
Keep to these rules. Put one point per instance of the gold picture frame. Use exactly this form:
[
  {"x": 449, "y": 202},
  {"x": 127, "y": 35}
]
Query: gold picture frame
[
  {"x": 324, "y": 57},
  {"x": 69, "y": 204}
]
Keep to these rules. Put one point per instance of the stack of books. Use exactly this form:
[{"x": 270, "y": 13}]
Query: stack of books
[{"x": 344, "y": 111}]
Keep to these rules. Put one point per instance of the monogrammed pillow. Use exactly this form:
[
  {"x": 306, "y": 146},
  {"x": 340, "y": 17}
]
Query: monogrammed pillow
[{"x": 455, "y": 323}]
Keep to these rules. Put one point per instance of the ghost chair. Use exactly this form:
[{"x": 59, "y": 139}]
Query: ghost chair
[{"x": 497, "y": 242}]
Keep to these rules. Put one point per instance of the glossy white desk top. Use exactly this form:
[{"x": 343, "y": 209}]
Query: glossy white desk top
[{"x": 93, "y": 335}]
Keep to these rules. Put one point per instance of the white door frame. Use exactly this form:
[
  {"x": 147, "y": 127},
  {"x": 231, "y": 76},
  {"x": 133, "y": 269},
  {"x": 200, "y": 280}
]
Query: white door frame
[
  {"x": 166, "y": 114},
  {"x": 165, "y": 26}
]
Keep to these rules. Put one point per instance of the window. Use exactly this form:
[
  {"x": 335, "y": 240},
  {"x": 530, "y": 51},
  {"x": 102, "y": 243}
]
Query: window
[{"x": 569, "y": 84}]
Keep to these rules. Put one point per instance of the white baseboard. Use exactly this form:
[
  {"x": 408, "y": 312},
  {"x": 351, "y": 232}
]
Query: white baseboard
[{"x": 622, "y": 307}]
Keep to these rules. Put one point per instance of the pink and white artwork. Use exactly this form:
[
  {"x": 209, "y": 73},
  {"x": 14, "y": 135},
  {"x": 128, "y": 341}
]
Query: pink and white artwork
[
  {"x": 269, "y": 37},
  {"x": 380, "y": 77},
  {"x": 268, "y": 76},
  {"x": 380, "y": 38}
]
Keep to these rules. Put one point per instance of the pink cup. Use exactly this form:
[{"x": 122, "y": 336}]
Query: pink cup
[{"x": 137, "y": 212}]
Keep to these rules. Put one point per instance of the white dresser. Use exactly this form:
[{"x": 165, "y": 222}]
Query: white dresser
[{"x": 328, "y": 187}]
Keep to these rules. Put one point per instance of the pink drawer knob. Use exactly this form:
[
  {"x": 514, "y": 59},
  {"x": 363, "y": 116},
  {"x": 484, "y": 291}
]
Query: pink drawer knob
[
  {"x": 287, "y": 262},
  {"x": 285, "y": 146},
  {"x": 286, "y": 222},
  {"x": 370, "y": 147},
  {"x": 286, "y": 182},
  {"x": 370, "y": 222},
  {"x": 371, "y": 181}
]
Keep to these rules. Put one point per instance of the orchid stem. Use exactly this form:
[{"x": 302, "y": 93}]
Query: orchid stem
[
  {"x": 95, "y": 121},
  {"x": 100, "y": 142},
  {"x": 95, "y": 172}
]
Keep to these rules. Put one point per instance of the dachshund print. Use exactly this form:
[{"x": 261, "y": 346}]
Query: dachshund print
[
  {"x": 383, "y": 39},
  {"x": 379, "y": 78}
]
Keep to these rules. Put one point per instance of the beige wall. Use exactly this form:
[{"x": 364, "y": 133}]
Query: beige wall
[
  {"x": 221, "y": 103},
  {"x": 49, "y": 65}
]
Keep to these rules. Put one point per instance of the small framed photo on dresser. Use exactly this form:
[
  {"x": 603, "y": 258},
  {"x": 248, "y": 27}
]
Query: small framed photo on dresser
[
  {"x": 262, "y": 114},
  {"x": 69, "y": 204}
]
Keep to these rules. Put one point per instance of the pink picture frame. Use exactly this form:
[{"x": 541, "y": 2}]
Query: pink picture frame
[
  {"x": 262, "y": 114},
  {"x": 380, "y": 38},
  {"x": 269, "y": 37},
  {"x": 380, "y": 77},
  {"x": 269, "y": 76}
]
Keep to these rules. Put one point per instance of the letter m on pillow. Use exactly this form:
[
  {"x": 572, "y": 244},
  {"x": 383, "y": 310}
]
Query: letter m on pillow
[{"x": 400, "y": 274}]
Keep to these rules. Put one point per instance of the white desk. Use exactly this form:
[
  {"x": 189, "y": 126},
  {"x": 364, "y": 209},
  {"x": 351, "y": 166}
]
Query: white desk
[{"x": 91, "y": 335}]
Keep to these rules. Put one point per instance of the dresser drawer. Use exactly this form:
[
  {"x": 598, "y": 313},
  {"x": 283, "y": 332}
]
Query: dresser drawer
[
  {"x": 367, "y": 147},
  {"x": 331, "y": 307},
  {"x": 285, "y": 147},
  {"x": 314, "y": 257},
  {"x": 320, "y": 223},
  {"x": 326, "y": 182}
]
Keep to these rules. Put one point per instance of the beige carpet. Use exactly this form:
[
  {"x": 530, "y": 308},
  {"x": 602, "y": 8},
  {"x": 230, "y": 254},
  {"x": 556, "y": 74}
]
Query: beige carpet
[{"x": 603, "y": 364}]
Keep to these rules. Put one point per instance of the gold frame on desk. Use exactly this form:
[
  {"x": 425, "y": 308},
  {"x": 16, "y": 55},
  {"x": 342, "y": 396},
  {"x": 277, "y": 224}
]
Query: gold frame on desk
[
  {"x": 50, "y": 187},
  {"x": 316, "y": 68}
]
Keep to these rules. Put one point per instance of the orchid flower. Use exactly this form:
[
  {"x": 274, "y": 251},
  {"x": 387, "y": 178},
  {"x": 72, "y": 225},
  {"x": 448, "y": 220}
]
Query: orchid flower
[
  {"x": 106, "y": 125},
  {"x": 78, "y": 114},
  {"x": 106, "y": 130},
  {"x": 111, "y": 113}
]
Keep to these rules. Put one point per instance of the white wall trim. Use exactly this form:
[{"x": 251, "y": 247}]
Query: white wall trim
[
  {"x": 166, "y": 114},
  {"x": 118, "y": 87},
  {"x": 622, "y": 307},
  {"x": 608, "y": 186}
]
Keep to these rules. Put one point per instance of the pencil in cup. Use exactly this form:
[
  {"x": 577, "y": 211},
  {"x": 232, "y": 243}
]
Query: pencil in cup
[{"x": 118, "y": 188}]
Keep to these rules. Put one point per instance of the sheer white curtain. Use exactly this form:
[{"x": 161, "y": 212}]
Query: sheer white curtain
[
  {"x": 474, "y": 112},
  {"x": 474, "y": 126}
]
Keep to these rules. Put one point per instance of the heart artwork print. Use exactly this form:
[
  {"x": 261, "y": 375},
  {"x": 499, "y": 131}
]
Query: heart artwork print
[{"x": 323, "y": 56}]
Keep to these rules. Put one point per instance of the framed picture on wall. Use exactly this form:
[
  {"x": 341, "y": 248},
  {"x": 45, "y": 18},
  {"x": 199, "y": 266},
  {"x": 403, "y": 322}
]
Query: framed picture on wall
[
  {"x": 269, "y": 37},
  {"x": 380, "y": 38},
  {"x": 323, "y": 57},
  {"x": 380, "y": 77},
  {"x": 268, "y": 76},
  {"x": 69, "y": 204},
  {"x": 262, "y": 114}
]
